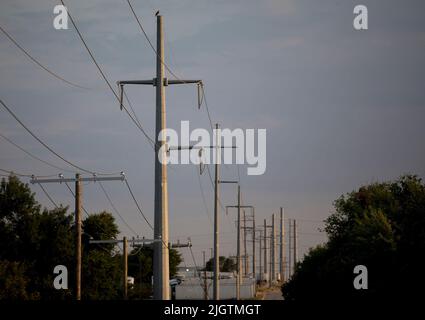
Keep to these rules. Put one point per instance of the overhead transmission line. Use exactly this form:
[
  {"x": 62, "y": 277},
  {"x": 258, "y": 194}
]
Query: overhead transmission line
[
  {"x": 34, "y": 156},
  {"x": 37, "y": 62},
  {"x": 48, "y": 196},
  {"x": 105, "y": 78},
  {"x": 115, "y": 209},
  {"x": 45, "y": 145}
]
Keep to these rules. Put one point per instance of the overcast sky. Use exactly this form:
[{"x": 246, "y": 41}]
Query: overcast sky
[{"x": 342, "y": 107}]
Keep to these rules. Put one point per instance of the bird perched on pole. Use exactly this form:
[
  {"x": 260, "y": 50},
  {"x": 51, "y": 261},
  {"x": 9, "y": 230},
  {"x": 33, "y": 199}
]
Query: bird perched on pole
[{"x": 156, "y": 13}]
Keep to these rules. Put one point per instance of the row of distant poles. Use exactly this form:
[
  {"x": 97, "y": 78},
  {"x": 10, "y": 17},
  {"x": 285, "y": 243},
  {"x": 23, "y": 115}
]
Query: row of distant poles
[{"x": 274, "y": 265}]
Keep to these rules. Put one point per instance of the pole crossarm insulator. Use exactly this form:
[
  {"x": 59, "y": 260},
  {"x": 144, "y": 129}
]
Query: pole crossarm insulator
[{"x": 83, "y": 179}]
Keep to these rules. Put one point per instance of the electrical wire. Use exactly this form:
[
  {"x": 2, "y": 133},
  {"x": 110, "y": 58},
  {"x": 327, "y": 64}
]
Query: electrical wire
[
  {"x": 115, "y": 209},
  {"x": 48, "y": 196},
  {"x": 32, "y": 155},
  {"x": 43, "y": 143},
  {"x": 197, "y": 271},
  {"x": 203, "y": 199},
  {"x": 104, "y": 76},
  {"x": 37, "y": 62},
  {"x": 137, "y": 205}
]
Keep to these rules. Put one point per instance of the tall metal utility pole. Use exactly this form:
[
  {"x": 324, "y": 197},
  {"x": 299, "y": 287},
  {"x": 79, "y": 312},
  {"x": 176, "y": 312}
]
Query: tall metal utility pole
[
  {"x": 265, "y": 248},
  {"x": 239, "y": 263},
  {"x": 161, "y": 270},
  {"x": 289, "y": 249},
  {"x": 245, "y": 256},
  {"x": 216, "y": 263},
  {"x": 253, "y": 246},
  {"x": 282, "y": 247},
  {"x": 238, "y": 279},
  {"x": 273, "y": 250},
  {"x": 260, "y": 256},
  {"x": 205, "y": 277},
  {"x": 78, "y": 207},
  {"x": 295, "y": 244}
]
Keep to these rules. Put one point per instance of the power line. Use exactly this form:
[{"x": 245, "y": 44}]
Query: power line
[
  {"x": 137, "y": 204},
  {"x": 32, "y": 155},
  {"x": 104, "y": 76},
  {"x": 115, "y": 209},
  {"x": 197, "y": 270},
  {"x": 203, "y": 198},
  {"x": 43, "y": 143},
  {"x": 37, "y": 62},
  {"x": 89, "y": 215},
  {"x": 48, "y": 196},
  {"x": 203, "y": 99}
]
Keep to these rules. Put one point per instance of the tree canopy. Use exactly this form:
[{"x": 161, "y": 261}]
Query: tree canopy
[
  {"x": 33, "y": 240},
  {"x": 380, "y": 226}
]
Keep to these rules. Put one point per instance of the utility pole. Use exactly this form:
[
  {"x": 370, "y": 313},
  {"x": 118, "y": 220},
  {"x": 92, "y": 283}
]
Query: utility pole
[
  {"x": 78, "y": 208},
  {"x": 161, "y": 270},
  {"x": 289, "y": 248},
  {"x": 295, "y": 244},
  {"x": 216, "y": 219},
  {"x": 253, "y": 246},
  {"x": 260, "y": 256},
  {"x": 239, "y": 264},
  {"x": 125, "y": 241},
  {"x": 125, "y": 258},
  {"x": 238, "y": 280},
  {"x": 205, "y": 277},
  {"x": 273, "y": 249},
  {"x": 282, "y": 246},
  {"x": 265, "y": 248},
  {"x": 245, "y": 272}
]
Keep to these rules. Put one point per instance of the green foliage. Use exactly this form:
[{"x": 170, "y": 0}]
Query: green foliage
[
  {"x": 226, "y": 264},
  {"x": 381, "y": 226},
  {"x": 34, "y": 241},
  {"x": 140, "y": 266}
]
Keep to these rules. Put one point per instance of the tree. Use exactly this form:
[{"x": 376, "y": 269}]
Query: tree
[
  {"x": 381, "y": 226},
  {"x": 226, "y": 264},
  {"x": 102, "y": 267},
  {"x": 33, "y": 241},
  {"x": 140, "y": 266}
]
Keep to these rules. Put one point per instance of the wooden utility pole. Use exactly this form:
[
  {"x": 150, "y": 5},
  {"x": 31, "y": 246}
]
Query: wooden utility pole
[
  {"x": 161, "y": 270},
  {"x": 78, "y": 207},
  {"x": 125, "y": 241}
]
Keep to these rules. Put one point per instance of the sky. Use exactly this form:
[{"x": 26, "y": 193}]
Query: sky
[{"x": 342, "y": 107}]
